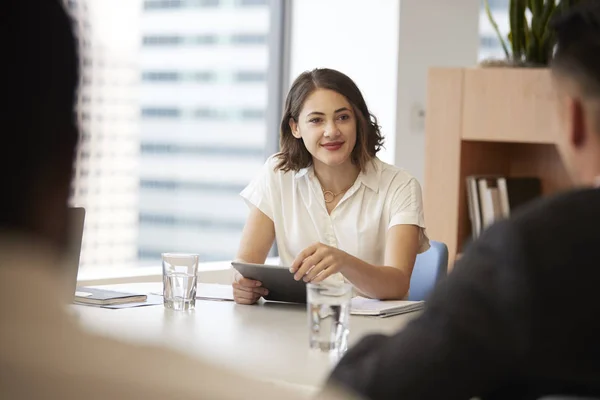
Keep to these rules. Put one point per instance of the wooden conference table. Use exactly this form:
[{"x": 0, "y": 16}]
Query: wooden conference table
[{"x": 268, "y": 341}]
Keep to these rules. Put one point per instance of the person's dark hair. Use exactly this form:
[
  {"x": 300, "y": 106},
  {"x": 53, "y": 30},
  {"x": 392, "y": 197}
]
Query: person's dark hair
[
  {"x": 294, "y": 155},
  {"x": 40, "y": 71},
  {"x": 577, "y": 52}
]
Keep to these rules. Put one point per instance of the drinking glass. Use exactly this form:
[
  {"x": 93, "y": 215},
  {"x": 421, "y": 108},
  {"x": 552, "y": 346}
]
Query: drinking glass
[
  {"x": 328, "y": 316},
  {"x": 180, "y": 275}
]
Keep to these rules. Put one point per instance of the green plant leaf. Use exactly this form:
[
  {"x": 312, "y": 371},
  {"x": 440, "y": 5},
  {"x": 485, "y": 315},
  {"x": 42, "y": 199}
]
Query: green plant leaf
[
  {"x": 531, "y": 40},
  {"x": 536, "y": 11},
  {"x": 526, "y": 34},
  {"x": 548, "y": 9},
  {"x": 517, "y": 20},
  {"x": 514, "y": 29},
  {"x": 531, "y": 48},
  {"x": 495, "y": 26},
  {"x": 536, "y": 7},
  {"x": 546, "y": 39}
]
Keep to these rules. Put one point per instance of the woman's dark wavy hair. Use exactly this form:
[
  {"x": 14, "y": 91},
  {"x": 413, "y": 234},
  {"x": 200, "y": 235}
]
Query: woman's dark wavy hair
[{"x": 294, "y": 155}]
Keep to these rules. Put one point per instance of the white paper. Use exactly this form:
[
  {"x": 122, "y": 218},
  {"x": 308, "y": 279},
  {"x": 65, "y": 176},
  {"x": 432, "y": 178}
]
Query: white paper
[{"x": 364, "y": 306}]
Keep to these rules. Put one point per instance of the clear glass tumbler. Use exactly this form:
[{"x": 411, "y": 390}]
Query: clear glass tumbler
[
  {"x": 328, "y": 316},
  {"x": 180, "y": 276}
]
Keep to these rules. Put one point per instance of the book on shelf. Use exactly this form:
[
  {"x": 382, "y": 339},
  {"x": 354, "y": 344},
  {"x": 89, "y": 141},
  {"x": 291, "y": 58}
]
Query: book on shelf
[
  {"x": 491, "y": 198},
  {"x": 95, "y": 296}
]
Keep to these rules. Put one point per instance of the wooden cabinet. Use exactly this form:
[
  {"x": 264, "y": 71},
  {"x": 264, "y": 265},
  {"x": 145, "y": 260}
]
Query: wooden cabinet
[{"x": 485, "y": 121}]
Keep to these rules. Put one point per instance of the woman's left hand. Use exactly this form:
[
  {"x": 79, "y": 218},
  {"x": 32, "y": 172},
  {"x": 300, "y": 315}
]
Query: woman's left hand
[{"x": 317, "y": 262}]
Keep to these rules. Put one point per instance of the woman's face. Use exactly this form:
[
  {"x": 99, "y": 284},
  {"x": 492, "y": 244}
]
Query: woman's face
[{"x": 327, "y": 126}]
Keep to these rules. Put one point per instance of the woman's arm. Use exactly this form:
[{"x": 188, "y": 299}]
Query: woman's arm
[
  {"x": 388, "y": 282},
  {"x": 392, "y": 280},
  {"x": 257, "y": 238}
]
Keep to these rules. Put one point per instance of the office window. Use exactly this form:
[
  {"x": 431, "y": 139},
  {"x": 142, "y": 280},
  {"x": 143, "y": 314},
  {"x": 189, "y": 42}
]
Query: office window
[
  {"x": 160, "y": 112},
  {"x": 200, "y": 150},
  {"x": 205, "y": 76},
  {"x": 249, "y": 39},
  {"x": 208, "y": 113},
  {"x": 162, "y": 40},
  {"x": 162, "y": 4},
  {"x": 192, "y": 186},
  {"x": 250, "y": 76},
  {"x": 160, "y": 76},
  {"x": 497, "y": 4},
  {"x": 250, "y": 3},
  {"x": 208, "y": 3},
  {"x": 489, "y": 44},
  {"x": 205, "y": 39},
  {"x": 176, "y": 125},
  {"x": 250, "y": 113},
  {"x": 173, "y": 4},
  {"x": 488, "y": 41},
  {"x": 170, "y": 220}
]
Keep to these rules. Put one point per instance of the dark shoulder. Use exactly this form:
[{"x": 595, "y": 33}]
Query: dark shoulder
[
  {"x": 553, "y": 230},
  {"x": 549, "y": 242},
  {"x": 561, "y": 214}
]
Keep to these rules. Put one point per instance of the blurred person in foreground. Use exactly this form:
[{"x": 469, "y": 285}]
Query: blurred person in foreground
[
  {"x": 44, "y": 354},
  {"x": 518, "y": 316}
]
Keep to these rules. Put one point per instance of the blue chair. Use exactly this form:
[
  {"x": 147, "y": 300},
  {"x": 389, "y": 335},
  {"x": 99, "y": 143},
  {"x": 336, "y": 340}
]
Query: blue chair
[{"x": 430, "y": 267}]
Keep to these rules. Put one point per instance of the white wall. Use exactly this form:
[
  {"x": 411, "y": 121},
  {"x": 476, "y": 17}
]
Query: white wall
[
  {"x": 438, "y": 33},
  {"x": 358, "y": 38},
  {"x": 387, "y": 46}
]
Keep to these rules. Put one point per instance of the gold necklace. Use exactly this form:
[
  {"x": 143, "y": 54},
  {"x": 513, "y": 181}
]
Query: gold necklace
[{"x": 329, "y": 196}]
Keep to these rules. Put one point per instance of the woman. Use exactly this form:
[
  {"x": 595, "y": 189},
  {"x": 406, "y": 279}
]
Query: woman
[{"x": 336, "y": 210}]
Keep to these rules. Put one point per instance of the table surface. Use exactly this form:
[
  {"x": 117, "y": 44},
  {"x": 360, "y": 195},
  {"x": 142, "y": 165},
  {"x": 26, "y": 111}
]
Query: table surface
[{"x": 268, "y": 341}]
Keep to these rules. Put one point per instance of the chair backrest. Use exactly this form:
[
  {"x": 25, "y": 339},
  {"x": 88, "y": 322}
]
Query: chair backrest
[{"x": 430, "y": 267}]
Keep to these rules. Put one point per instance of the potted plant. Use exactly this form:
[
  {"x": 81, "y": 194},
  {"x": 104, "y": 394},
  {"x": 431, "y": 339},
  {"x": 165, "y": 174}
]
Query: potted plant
[{"x": 530, "y": 38}]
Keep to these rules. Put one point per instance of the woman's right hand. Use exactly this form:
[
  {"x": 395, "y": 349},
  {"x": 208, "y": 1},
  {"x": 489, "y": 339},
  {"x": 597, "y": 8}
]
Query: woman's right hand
[{"x": 247, "y": 291}]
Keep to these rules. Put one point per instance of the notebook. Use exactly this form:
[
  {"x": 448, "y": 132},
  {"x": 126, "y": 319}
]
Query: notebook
[
  {"x": 363, "y": 306},
  {"x": 88, "y": 295}
]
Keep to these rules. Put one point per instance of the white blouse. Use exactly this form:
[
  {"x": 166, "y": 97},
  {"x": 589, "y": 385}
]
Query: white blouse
[{"x": 382, "y": 196}]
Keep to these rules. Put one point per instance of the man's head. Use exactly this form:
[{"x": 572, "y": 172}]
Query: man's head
[
  {"x": 39, "y": 134},
  {"x": 576, "y": 69}
]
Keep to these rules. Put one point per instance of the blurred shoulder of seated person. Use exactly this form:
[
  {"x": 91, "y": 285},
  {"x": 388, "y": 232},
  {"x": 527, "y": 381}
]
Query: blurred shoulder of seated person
[
  {"x": 44, "y": 352},
  {"x": 335, "y": 209},
  {"x": 518, "y": 316}
]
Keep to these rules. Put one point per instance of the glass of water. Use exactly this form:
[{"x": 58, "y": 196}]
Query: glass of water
[
  {"x": 328, "y": 316},
  {"x": 179, "y": 280}
]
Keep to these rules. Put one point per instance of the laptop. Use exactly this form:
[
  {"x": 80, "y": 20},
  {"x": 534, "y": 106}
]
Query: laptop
[{"x": 70, "y": 264}]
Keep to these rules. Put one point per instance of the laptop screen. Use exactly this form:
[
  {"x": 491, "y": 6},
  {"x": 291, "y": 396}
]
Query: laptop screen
[{"x": 70, "y": 265}]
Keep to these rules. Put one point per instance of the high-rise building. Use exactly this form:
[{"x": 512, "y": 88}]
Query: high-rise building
[
  {"x": 106, "y": 168},
  {"x": 490, "y": 47},
  {"x": 173, "y": 108},
  {"x": 204, "y": 86}
]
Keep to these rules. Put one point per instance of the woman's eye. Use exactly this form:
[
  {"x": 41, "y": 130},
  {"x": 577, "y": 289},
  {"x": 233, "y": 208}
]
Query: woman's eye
[
  {"x": 344, "y": 117},
  {"x": 315, "y": 120}
]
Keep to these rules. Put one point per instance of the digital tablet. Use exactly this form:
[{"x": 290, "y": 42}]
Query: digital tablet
[{"x": 278, "y": 280}]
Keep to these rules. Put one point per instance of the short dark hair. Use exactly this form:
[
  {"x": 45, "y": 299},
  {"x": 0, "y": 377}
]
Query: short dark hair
[
  {"x": 294, "y": 155},
  {"x": 40, "y": 76},
  {"x": 577, "y": 52}
]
